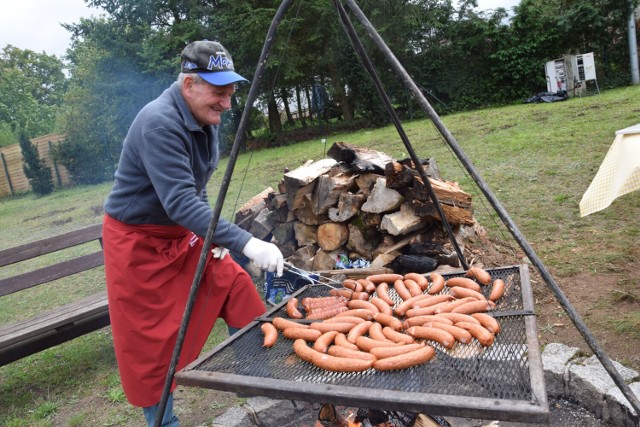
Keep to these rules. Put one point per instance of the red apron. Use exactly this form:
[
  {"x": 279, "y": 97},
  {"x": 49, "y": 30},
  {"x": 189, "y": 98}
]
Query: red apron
[{"x": 149, "y": 271}]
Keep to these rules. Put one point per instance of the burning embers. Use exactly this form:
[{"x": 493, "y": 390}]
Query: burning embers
[{"x": 337, "y": 416}]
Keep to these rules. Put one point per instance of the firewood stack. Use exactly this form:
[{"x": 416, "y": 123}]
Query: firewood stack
[{"x": 362, "y": 204}]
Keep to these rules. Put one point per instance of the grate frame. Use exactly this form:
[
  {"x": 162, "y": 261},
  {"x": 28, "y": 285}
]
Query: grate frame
[{"x": 503, "y": 382}]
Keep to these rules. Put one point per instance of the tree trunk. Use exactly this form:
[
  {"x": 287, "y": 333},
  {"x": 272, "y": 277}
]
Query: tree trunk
[
  {"x": 300, "y": 108},
  {"x": 285, "y": 100},
  {"x": 275, "y": 126}
]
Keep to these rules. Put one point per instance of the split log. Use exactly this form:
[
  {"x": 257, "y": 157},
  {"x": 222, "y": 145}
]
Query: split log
[
  {"x": 305, "y": 234},
  {"x": 283, "y": 233},
  {"x": 382, "y": 199},
  {"x": 264, "y": 224},
  {"x": 325, "y": 260},
  {"x": 328, "y": 190},
  {"x": 247, "y": 212},
  {"x": 358, "y": 242},
  {"x": 361, "y": 159},
  {"x": 365, "y": 182},
  {"x": 447, "y": 192},
  {"x": 332, "y": 235},
  {"x": 303, "y": 257},
  {"x": 305, "y": 214},
  {"x": 348, "y": 206},
  {"x": 401, "y": 174},
  {"x": 402, "y": 222},
  {"x": 303, "y": 176}
]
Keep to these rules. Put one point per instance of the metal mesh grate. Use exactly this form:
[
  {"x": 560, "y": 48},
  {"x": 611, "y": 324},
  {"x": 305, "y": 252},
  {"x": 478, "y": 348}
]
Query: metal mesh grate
[{"x": 501, "y": 371}]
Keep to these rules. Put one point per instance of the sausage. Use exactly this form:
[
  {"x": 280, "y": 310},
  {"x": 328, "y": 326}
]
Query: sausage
[
  {"x": 479, "y": 332},
  {"x": 457, "y": 317},
  {"x": 313, "y": 303},
  {"x": 357, "y": 331},
  {"x": 270, "y": 334},
  {"x": 339, "y": 364},
  {"x": 324, "y": 341},
  {"x": 402, "y": 308},
  {"x": 460, "y": 292},
  {"x": 384, "y": 352},
  {"x": 353, "y": 304},
  {"x": 345, "y": 293},
  {"x": 385, "y": 277},
  {"x": 460, "y": 334},
  {"x": 292, "y": 309},
  {"x": 341, "y": 340},
  {"x": 424, "y": 311},
  {"x": 489, "y": 322},
  {"x": 338, "y": 351},
  {"x": 344, "y": 319},
  {"x": 299, "y": 333},
  {"x": 375, "y": 332},
  {"x": 407, "y": 360},
  {"x": 395, "y": 336},
  {"x": 281, "y": 323},
  {"x": 434, "y": 334},
  {"x": 366, "y": 343},
  {"x": 413, "y": 287},
  {"x": 421, "y": 320},
  {"x": 482, "y": 276},
  {"x": 383, "y": 293},
  {"x": 303, "y": 351},
  {"x": 437, "y": 283},
  {"x": 388, "y": 320},
  {"x": 357, "y": 312},
  {"x": 497, "y": 290},
  {"x": 368, "y": 285},
  {"x": 362, "y": 295},
  {"x": 325, "y": 313},
  {"x": 421, "y": 280},
  {"x": 450, "y": 306},
  {"x": 464, "y": 282},
  {"x": 474, "y": 307},
  {"x": 431, "y": 300},
  {"x": 323, "y": 327},
  {"x": 381, "y": 305},
  {"x": 401, "y": 289},
  {"x": 353, "y": 285}
]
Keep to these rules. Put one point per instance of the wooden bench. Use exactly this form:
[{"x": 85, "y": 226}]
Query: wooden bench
[{"x": 29, "y": 336}]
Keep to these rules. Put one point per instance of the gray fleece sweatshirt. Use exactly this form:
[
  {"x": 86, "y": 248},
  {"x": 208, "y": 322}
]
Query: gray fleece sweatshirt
[{"x": 166, "y": 161}]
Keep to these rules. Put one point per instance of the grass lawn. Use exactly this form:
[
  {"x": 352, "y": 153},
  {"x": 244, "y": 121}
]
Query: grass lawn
[{"x": 538, "y": 159}]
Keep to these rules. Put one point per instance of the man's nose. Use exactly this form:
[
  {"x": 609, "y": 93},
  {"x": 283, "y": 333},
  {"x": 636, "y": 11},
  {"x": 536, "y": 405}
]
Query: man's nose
[{"x": 225, "y": 102}]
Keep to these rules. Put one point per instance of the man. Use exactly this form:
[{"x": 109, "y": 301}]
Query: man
[{"x": 157, "y": 216}]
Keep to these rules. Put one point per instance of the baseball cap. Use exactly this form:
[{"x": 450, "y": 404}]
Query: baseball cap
[{"x": 211, "y": 61}]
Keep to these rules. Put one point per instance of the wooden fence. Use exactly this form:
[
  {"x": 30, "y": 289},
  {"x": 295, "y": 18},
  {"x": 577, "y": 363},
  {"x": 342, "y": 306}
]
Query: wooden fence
[{"x": 12, "y": 177}]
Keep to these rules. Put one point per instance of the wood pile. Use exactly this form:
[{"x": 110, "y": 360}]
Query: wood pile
[{"x": 362, "y": 204}]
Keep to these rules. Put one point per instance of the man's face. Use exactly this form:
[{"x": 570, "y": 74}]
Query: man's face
[{"x": 206, "y": 101}]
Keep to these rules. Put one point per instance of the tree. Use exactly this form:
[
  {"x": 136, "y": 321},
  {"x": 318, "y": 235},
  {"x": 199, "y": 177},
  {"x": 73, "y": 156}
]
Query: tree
[
  {"x": 37, "y": 172},
  {"x": 32, "y": 86}
]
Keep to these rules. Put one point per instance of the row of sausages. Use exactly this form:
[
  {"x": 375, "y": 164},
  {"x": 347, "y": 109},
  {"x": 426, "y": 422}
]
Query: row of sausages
[{"x": 361, "y": 326}]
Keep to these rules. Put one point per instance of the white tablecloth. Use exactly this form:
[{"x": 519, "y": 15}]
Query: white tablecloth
[{"x": 619, "y": 172}]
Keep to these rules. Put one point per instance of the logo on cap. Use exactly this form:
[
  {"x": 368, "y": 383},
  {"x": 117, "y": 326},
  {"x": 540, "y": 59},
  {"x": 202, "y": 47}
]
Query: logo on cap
[{"x": 219, "y": 61}]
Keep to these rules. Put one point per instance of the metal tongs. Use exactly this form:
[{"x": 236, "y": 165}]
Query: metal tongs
[{"x": 314, "y": 278}]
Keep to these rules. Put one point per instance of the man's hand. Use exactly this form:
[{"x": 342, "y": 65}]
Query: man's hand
[
  {"x": 265, "y": 256},
  {"x": 219, "y": 252}
]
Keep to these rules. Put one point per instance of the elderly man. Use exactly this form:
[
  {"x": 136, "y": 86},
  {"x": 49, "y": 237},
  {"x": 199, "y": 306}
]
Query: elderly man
[{"x": 157, "y": 216}]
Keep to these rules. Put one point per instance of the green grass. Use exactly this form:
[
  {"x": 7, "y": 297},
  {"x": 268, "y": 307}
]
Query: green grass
[{"x": 537, "y": 159}]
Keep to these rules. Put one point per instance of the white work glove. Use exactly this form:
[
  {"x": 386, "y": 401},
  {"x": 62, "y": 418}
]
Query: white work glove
[
  {"x": 265, "y": 256},
  {"x": 219, "y": 252}
]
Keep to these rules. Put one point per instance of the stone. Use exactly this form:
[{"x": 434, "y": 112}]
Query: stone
[
  {"x": 555, "y": 358},
  {"x": 617, "y": 409}
]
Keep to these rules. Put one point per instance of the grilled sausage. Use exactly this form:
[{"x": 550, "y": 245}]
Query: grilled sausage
[
  {"x": 421, "y": 280},
  {"x": 375, "y": 332},
  {"x": 479, "y": 332},
  {"x": 345, "y": 293},
  {"x": 401, "y": 289},
  {"x": 292, "y": 309},
  {"x": 488, "y": 321},
  {"x": 497, "y": 290},
  {"x": 344, "y": 319},
  {"x": 314, "y": 303},
  {"x": 270, "y": 334},
  {"x": 431, "y": 300},
  {"x": 298, "y": 333},
  {"x": 395, "y": 336},
  {"x": 452, "y": 305},
  {"x": 383, "y": 293},
  {"x": 464, "y": 282},
  {"x": 388, "y": 320},
  {"x": 413, "y": 287},
  {"x": 384, "y": 352},
  {"x": 341, "y": 340},
  {"x": 323, "y": 327},
  {"x": 381, "y": 305},
  {"x": 366, "y": 343},
  {"x": 354, "y": 304},
  {"x": 460, "y": 292},
  {"x": 324, "y": 341},
  {"x": 476, "y": 306},
  {"x": 338, "y": 351},
  {"x": 457, "y": 317},
  {"x": 281, "y": 323},
  {"x": 407, "y": 360},
  {"x": 434, "y": 334},
  {"x": 358, "y": 331},
  {"x": 402, "y": 308},
  {"x": 303, "y": 351},
  {"x": 368, "y": 285},
  {"x": 421, "y": 320},
  {"x": 353, "y": 285},
  {"x": 482, "y": 276},
  {"x": 363, "y": 295},
  {"x": 460, "y": 334},
  {"x": 437, "y": 283},
  {"x": 357, "y": 312},
  {"x": 386, "y": 277},
  {"x": 325, "y": 313},
  {"x": 339, "y": 364}
]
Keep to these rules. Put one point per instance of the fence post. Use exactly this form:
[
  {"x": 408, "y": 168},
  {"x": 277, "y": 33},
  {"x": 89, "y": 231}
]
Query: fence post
[
  {"x": 6, "y": 173},
  {"x": 55, "y": 165}
]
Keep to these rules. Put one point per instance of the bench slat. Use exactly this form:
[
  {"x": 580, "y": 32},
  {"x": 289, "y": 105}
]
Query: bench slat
[
  {"x": 50, "y": 273},
  {"x": 51, "y": 244}
]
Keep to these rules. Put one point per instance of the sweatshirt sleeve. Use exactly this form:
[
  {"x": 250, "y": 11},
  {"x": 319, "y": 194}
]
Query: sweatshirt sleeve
[{"x": 168, "y": 165}]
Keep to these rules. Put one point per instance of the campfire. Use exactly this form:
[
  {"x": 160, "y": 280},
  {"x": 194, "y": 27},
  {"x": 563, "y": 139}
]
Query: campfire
[{"x": 332, "y": 416}]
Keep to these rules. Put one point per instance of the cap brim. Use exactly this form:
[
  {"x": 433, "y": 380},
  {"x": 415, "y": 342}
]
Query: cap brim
[{"x": 222, "y": 78}]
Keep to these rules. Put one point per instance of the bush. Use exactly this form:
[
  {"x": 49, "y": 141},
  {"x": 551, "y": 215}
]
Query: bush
[
  {"x": 85, "y": 161},
  {"x": 37, "y": 172}
]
